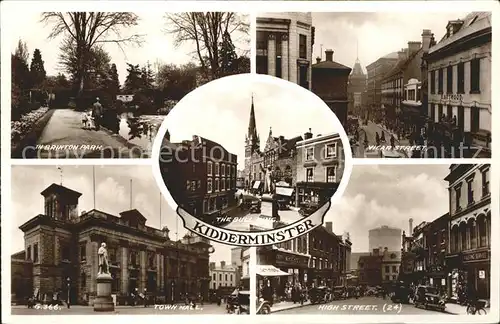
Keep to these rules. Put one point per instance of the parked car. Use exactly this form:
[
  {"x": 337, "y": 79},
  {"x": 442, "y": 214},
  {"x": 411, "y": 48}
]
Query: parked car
[{"x": 428, "y": 297}]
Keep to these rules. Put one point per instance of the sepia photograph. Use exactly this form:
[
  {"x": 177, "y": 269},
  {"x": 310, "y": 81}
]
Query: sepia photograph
[
  {"x": 406, "y": 239},
  {"x": 98, "y": 84},
  {"x": 258, "y": 156},
  {"x": 94, "y": 240},
  {"x": 423, "y": 92}
]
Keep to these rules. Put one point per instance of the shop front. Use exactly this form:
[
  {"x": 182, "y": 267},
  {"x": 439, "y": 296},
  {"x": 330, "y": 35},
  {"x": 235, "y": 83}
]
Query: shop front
[
  {"x": 315, "y": 192},
  {"x": 294, "y": 264},
  {"x": 477, "y": 267},
  {"x": 324, "y": 278}
]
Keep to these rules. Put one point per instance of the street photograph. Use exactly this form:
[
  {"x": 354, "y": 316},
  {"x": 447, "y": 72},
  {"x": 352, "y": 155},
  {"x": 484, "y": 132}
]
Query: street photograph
[
  {"x": 403, "y": 240},
  {"x": 258, "y": 156},
  {"x": 103, "y": 240},
  {"x": 423, "y": 92},
  {"x": 99, "y": 84}
]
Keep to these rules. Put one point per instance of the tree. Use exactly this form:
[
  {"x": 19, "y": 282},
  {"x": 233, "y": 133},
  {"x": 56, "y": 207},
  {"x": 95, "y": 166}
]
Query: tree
[
  {"x": 37, "y": 69},
  {"x": 147, "y": 77},
  {"x": 177, "y": 81},
  {"x": 22, "y": 52},
  {"x": 206, "y": 30},
  {"x": 114, "y": 81},
  {"x": 87, "y": 30},
  {"x": 133, "y": 82},
  {"x": 227, "y": 55}
]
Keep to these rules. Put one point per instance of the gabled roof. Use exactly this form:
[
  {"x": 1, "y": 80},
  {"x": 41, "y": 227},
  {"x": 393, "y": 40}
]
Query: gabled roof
[
  {"x": 402, "y": 65},
  {"x": 55, "y": 188},
  {"x": 332, "y": 65}
]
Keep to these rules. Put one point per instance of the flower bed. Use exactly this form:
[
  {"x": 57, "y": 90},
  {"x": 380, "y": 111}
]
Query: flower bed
[{"x": 22, "y": 127}]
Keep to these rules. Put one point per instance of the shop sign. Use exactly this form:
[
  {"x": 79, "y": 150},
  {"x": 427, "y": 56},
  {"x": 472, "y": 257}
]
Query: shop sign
[
  {"x": 482, "y": 274},
  {"x": 443, "y": 282},
  {"x": 446, "y": 96},
  {"x": 287, "y": 259},
  {"x": 476, "y": 256}
]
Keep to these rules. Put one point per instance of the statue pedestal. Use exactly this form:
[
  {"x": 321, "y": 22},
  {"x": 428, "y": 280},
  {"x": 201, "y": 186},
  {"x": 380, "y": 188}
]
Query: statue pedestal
[
  {"x": 269, "y": 207},
  {"x": 103, "y": 302}
]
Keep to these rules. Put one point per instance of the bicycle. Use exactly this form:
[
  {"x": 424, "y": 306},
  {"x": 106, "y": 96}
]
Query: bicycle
[{"x": 476, "y": 309}]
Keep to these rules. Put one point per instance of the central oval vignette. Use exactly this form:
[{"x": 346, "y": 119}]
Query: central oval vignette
[{"x": 174, "y": 159}]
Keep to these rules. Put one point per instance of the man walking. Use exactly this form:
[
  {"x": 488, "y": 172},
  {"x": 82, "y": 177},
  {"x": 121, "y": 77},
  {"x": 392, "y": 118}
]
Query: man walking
[{"x": 97, "y": 111}]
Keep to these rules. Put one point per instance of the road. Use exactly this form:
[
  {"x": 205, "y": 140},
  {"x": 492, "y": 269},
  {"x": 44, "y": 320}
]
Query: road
[
  {"x": 209, "y": 309},
  {"x": 361, "y": 306},
  {"x": 371, "y": 129},
  {"x": 65, "y": 128}
]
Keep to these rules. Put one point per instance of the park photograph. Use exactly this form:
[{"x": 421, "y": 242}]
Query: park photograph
[{"x": 98, "y": 84}]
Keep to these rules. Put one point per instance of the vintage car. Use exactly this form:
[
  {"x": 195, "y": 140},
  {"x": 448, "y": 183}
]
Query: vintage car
[
  {"x": 319, "y": 295},
  {"x": 401, "y": 294},
  {"x": 238, "y": 302},
  {"x": 428, "y": 297}
]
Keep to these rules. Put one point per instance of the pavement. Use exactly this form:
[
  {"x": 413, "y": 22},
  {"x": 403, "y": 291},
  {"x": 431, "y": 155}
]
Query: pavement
[
  {"x": 65, "y": 128},
  {"x": 180, "y": 309},
  {"x": 361, "y": 306}
]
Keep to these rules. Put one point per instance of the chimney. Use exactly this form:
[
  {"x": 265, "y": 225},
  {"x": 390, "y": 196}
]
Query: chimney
[
  {"x": 427, "y": 36},
  {"x": 318, "y": 59},
  {"x": 282, "y": 138},
  {"x": 223, "y": 264},
  {"x": 329, "y": 55},
  {"x": 402, "y": 54},
  {"x": 411, "y": 227},
  {"x": 329, "y": 226},
  {"x": 413, "y": 47},
  {"x": 376, "y": 252},
  {"x": 211, "y": 265},
  {"x": 308, "y": 135}
]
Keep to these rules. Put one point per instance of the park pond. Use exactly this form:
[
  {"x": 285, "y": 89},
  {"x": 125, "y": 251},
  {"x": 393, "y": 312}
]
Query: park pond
[{"x": 140, "y": 130}]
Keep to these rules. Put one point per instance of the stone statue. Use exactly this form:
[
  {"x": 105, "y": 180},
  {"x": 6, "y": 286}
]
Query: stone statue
[
  {"x": 268, "y": 180},
  {"x": 103, "y": 259}
]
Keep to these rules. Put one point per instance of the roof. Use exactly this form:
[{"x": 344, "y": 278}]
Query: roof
[
  {"x": 357, "y": 70},
  {"x": 55, "y": 188},
  {"x": 401, "y": 65},
  {"x": 393, "y": 55},
  {"x": 331, "y": 65},
  {"x": 133, "y": 213}
]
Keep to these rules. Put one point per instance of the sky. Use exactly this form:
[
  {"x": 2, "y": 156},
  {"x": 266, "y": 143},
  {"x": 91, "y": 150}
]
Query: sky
[
  {"x": 112, "y": 191},
  {"x": 158, "y": 46},
  {"x": 389, "y": 195},
  {"x": 373, "y": 35},
  {"x": 222, "y": 110}
]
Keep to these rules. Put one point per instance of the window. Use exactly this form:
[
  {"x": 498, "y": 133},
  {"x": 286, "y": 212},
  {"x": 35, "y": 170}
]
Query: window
[
  {"x": 225, "y": 276},
  {"x": 393, "y": 277},
  {"x": 83, "y": 252},
  {"x": 387, "y": 269},
  {"x": 228, "y": 170},
  {"x": 198, "y": 184},
  {"x": 474, "y": 119},
  {"x": 330, "y": 150},
  {"x": 310, "y": 154},
  {"x": 458, "y": 196},
  {"x": 433, "y": 112},
  {"x": 231, "y": 278},
  {"x": 209, "y": 185},
  {"x": 216, "y": 168},
  {"x": 35, "y": 252},
  {"x": 28, "y": 253},
  {"x": 214, "y": 277},
  {"x": 472, "y": 235},
  {"x": 440, "y": 112},
  {"x": 216, "y": 185},
  {"x": 278, "y": 56},
  {"x": 330, "y": 174},
  {"x": 470, "y": 191},
  {"x": 222, "y": 185},
  {"x": 433, "y": 82},
  {"x": 449, "y": 79},
  {"x": 261, "y": 55},
  {"x": 223, "y": 169},
  {"x": 309, "y": 174},
  {"x": 394, "y": 269},
  {"x": 440, "y": 81},
  {"x": 65, "y": 252},
  {"x": 209, "y": 168},
  {"x": 188, "y": 185},
  {"x": 475, "y": 76},
  {"x": 302, "y": 46},
  {"x": 485, "y": 182},
  {"x": 193, "y": 185},
  {"x": 228, "y": 184},
  {"x": 220, "y": 276},
  {"x": 460, "y": 78},
  {"x": 304, "y": 76},
  {"x": 387, "y": 278}
]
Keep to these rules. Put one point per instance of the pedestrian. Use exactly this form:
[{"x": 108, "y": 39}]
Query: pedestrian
[
  {"x": 97, "y": 112},
  {"x": 145, "y": 298},
  {"x": 377, "y": 138},
  {"x": 382, "y": 137},
  {"x": 393, "y": 141}
]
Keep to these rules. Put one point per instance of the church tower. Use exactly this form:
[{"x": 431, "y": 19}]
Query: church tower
[{"x": 252, "y": 144}]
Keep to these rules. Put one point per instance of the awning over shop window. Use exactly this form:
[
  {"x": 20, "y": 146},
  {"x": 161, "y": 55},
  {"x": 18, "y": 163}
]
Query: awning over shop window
[
  {"x": 270, "y": 271},
  {"x": 256, "y": 185},
  {"x": 284, "y": 191}
]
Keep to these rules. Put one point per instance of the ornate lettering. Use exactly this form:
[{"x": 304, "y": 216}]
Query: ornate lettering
[
  {"x": 476, "y": 256},
  {"x": 456, "y": 97}
]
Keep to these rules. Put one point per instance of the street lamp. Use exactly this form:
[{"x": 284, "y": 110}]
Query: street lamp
[{"x": 68, "y": 283}]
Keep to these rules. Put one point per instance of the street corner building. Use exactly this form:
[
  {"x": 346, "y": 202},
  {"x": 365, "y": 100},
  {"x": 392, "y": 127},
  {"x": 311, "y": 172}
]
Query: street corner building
[
  {"x": 318, "y": 258},
  {"x": 453, "y": 252},
  {"x": 284, "y": 46},
  {"x": 60, "y": 255},
  {"x": 307, "y": 170},
  {"x": 459, "y": 88},
  {"x": 200, "y": 174}
]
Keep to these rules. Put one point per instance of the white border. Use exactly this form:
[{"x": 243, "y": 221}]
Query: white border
[
  {"x": 246, "y": 81},
  {"x": 7, "y": 12}
]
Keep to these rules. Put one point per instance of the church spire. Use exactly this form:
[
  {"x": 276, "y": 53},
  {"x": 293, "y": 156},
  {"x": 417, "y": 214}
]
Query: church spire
[{"x": 252, "y": 128}]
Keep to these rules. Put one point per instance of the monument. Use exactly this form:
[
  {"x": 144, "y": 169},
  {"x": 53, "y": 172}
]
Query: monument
[
  {"x": 269, "y": 203},
  {"x": 103, "y": 301}
]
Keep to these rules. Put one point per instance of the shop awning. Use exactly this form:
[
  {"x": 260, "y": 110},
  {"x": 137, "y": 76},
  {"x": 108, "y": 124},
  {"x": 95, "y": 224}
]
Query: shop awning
[
  {"x": 284, "y": 191},
  {"x": 270, "y": 271},
  {"x": 256, "y": 185}
]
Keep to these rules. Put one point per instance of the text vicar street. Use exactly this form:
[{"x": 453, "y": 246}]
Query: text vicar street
[{"x": 254, "y": 239}]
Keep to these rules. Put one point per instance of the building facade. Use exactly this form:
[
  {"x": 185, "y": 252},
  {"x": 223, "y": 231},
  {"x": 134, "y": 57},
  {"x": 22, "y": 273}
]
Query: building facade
[
  {"x": 355, "y": 89},
  {"x": 208, "y": 172},
  {"x": 329, "y": 82},
  {"x": 61, "y": 246},
  {"x": 459, "y": 87},
  {"x": 279, "y": 153},
  {"x": 385, "y": 236},
  {"x": 390, "y": 265},
  {"x": 224, "y": 275},
  {"x": 468, "y": 255},
  {"x": 375, "y": 72},
  {"x": 320, "y": 166},
  {"x": 245, "y": 268},
  {"x": 370, "y": 268},
  {"x": 284, "y": 46}
]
